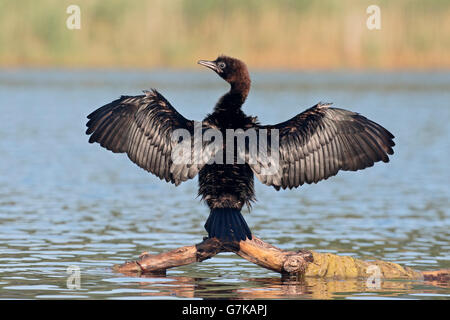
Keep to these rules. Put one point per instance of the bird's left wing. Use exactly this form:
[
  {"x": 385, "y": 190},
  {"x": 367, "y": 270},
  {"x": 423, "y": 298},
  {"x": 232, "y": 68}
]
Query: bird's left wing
[
  {"x": 143, "y": 127},
  {"x": 317, "y": 143}
]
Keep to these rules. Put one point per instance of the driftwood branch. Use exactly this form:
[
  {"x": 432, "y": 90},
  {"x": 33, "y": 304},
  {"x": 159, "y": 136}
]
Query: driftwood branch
[
  {"x": 255, "y": 250},
  {"x": 287, "y": 263}
]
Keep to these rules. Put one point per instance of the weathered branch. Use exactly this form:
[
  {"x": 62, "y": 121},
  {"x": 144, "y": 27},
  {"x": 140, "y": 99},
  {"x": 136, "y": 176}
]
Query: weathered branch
[
  {"x": 273, "y": 258},
  {"x": 255, "y": 250},
  {"x": 310, "y": 264}
]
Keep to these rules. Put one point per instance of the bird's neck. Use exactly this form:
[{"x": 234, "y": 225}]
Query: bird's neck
[
  {"x": 240, "y": 89},
  {"x": 233, "y": 100}
]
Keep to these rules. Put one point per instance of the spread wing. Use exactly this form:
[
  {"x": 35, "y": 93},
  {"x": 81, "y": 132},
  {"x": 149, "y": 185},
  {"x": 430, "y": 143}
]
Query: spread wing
[
  {"x": 142, "y": 126},
  {"x": 320, "y": 141}
]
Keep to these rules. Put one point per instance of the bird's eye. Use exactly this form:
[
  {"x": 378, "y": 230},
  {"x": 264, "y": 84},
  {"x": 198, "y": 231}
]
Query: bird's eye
[{"x": 221, "y": 65}]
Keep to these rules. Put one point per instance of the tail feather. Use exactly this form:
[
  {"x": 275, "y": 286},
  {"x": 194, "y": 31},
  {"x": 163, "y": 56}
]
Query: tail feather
[{"x": 227, "y": 224}]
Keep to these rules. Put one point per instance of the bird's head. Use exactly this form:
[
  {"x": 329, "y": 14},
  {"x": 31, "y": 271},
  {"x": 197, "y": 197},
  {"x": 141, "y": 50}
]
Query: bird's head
[{"x": 232, "y": 70}]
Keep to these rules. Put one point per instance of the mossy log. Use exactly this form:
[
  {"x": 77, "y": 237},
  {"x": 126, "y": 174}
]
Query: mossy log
[{"x": 288, "y": 263}]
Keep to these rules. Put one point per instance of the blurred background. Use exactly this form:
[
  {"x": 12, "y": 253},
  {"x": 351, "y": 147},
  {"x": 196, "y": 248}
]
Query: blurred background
[
  {"x": 65, "y": 202},
  {"x": 288, "y": 34}
]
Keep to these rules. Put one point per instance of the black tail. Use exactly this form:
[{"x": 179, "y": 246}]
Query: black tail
[{"x": 227, "y": 224}]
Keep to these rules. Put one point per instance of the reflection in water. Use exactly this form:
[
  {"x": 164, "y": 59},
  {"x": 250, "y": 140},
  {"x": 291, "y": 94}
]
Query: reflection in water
[
  {"x": 277, "y": 288},
  {"x": 64, "y": 202}
]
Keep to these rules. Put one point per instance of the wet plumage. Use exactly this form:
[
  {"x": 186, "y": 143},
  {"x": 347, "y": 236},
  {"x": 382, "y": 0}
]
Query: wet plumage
[{"x": 313, "y": 146}]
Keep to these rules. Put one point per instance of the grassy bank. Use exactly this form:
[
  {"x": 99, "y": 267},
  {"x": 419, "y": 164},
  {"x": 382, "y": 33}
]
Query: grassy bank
[{"x": 294, "y": 34}]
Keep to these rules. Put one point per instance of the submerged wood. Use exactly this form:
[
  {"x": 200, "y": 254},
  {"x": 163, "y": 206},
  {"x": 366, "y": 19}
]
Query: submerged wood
[{"x": 288, "y": 263}]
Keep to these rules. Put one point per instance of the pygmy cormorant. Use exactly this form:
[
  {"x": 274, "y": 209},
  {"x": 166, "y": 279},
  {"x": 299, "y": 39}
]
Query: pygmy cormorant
[{"x": 313, "y": 146}]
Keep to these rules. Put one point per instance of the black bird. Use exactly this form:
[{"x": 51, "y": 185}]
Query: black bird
[{"x": 313, "y": 146}]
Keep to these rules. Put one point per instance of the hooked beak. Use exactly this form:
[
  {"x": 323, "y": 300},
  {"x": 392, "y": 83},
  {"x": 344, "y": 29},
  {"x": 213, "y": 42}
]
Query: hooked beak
[{"x": 209, "y": 64}]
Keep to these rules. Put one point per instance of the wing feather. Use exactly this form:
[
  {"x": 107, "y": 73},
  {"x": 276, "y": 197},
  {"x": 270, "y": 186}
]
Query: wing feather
[
  {"x": 317, "y": 143},
  {"x": 142, "y": 126}
]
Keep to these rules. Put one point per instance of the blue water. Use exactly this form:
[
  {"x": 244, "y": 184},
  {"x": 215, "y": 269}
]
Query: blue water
[{"x": 64, "y": 202}]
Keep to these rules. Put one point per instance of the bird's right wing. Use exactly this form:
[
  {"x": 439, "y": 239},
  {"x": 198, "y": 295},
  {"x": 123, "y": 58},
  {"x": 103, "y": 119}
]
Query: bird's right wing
[
  {"x": 143, "y": 127},
  {"x": 319, "y": 142}
]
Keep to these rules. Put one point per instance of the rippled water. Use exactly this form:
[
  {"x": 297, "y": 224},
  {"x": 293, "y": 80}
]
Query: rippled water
[{"x": 64, "y": 202}]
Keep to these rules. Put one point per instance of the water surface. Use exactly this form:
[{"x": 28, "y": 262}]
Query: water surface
[{"x": 64, "y": 202}]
